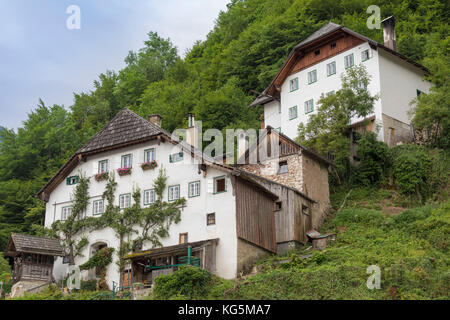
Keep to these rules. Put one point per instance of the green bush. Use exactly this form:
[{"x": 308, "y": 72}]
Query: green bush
[
  {"x": 412, "y": 169},
  {"x": 187, "y": 281},
  {"x": 375, "y": 160},
  {"x": 359, "y": 216},
  {"x": 88, "y": 285}
]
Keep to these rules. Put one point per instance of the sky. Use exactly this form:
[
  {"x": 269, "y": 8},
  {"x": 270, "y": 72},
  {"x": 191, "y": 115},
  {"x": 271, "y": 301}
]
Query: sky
[{"x": 40, "y": 57}]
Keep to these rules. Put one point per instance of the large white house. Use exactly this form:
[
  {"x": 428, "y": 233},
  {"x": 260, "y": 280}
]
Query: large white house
[
  {"x": 315, "y": 65},
  {"x": 230, "y": 219}
]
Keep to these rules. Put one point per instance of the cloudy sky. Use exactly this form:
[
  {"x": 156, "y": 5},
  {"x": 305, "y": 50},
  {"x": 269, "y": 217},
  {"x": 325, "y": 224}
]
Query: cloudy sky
[{"x": 41, "y": 58}]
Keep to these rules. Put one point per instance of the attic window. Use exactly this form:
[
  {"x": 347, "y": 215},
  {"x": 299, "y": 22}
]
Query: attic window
[
  {"x": 283, "y": 167},
  {"x": 317, "y": 52},
  {"x": 72, "y": 180},
  {"x": 278, "y": 206},
  {"x": 220, "y": 184},
  {"x": 333, "y": 45}
]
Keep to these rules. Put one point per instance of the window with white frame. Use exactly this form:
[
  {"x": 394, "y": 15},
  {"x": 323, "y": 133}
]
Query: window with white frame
[
  {"x": 103, "y": 166},
  {"x": 293, "y": 112},
  {"x": 293, "y": 84},
  {"x": 99, "y": 207},
  {"x": 126, "y": 161},
  {"x": 125, "y": 201},
  {"x": 66, "y": 212},
  {"x": 312, "y": 76},
  {"x": 149, "y": 196},
  {"x": 194, "y": 189},
  {"x": 365, "y": 55},
  {"x": 174, "y": 193},
  {"x": 149, "y": 155},
  {"x": 309, "y": 106},
  {"x": 349, "y": 61},
  {"x": 331, "y": 68}
]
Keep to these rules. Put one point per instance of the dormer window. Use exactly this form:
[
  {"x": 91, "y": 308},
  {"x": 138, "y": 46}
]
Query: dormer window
[
  {"x": 293, "y": 84},
  {"x": 72, "y": 180}
]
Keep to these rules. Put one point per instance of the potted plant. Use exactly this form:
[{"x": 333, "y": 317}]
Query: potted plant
[
  {"x": 149, "y": 165},
  {"x": 101, "y": 176},
  {"x": 124, "y": 171}
]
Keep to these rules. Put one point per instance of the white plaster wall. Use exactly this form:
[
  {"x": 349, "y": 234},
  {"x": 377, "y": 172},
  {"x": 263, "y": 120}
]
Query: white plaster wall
[
  {"x": 399, "y": 82},
  {"x": 323, "y": 85},
  {"x": 193, "y": 216}
]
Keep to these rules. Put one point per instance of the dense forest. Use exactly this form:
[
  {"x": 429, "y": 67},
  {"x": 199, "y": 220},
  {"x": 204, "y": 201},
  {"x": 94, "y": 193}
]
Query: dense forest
[{"x": 216, "y": 80}]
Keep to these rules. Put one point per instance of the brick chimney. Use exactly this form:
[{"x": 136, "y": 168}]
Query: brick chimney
[
  {"x": 155, "y": 119},
  {"x": 389, "y": 33}
]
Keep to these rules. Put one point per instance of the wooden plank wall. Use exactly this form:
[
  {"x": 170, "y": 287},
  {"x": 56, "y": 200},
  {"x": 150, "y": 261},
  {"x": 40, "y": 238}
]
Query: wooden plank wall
[{"x": 255, "y": 216}]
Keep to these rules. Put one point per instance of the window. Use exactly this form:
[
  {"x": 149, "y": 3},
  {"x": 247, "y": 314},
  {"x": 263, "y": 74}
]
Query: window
[
  {"x": 149, "y": 196},
  {"x": 66, "y": 212},
  {"x": 194, "y": 189},
  {"x": 312, "y": 76},
  {"x": 330, "y": 93},
  {"x": 176, "y": 157},
  {"x": 317, "y": 52},
  {"x": 211, "y": 219},
  {"x": 283, "y": 167},
  {"x": 99, "y": 207},
  {"x": 348, "y": 61},
  {"x": 126, "y": 161},
  {"x": 293, "y": 84},
  {"x": 220, "y": 184},
  {"x": 174, "y": 193},
  {"x": 149, "y": 155},
  {"x": 72, "y": 180},
  {"x": 103, "y": 166},
  {"x": 309, "y": 106},
  {"x": 418, "y": 92},
  {"x": 305, "y": 210},
  {"x": 331, "y": 68},
  {"x": 292, "y": 112},
  {"x": 278, "y": 206},
  {"x": 125, "y": 201},
  {"x": 183, "y": 238},
  {"x": 333, "y": 45},
  {"x": 365, "y": 55}
]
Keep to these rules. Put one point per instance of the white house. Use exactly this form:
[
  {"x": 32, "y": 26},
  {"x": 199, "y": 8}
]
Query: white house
[
  {"x": 315, "y": 65},
  {"x": 228, "y": 220}
]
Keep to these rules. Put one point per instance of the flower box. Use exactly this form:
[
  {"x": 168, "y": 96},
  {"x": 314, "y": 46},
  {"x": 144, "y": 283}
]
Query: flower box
[
  {"x": 101, "y": 176},
  {"x": 149, "y": 165},
  {"x": 123, "y": 171}
]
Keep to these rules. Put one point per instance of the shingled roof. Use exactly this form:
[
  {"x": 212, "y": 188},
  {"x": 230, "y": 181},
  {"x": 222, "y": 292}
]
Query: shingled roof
[
  {"x": 126, "y": 126},
  {"x": 33, "y": 244}
]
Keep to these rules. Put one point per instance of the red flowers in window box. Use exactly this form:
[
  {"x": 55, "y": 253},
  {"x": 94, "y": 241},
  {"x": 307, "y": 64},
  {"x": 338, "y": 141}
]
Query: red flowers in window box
[
  {"x": 101, "y": 176},
  {"x": 149, "y": 165},
  {"x": 123, "y": 171}
]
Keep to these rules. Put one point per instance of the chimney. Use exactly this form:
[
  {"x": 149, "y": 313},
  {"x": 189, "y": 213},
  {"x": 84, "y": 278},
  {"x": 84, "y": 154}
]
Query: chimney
[
  {"x": 193, "y": 132},
  {"x": 389, "y": 33},
  {"x": 155, "y": 119}
]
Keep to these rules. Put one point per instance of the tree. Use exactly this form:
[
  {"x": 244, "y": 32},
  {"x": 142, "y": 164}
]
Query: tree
[
  {"x": 327, "y": 130},
  {"x": 69, "y": 231}
]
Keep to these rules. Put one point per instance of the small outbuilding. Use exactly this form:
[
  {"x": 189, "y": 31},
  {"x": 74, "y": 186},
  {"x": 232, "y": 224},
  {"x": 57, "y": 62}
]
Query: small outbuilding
[{"x": 33, "y": 257}]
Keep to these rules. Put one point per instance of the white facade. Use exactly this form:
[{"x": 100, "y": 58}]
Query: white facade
[
  {"x": 193, "y": 215},
  {"x": 395, "y": 80}
]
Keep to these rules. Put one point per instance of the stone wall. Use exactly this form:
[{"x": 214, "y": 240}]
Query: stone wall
[
  {"x": 396, "y": 132},
  {"x": 247, "y": 255}
]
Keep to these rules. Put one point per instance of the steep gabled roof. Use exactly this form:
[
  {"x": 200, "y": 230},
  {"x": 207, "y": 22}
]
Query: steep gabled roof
[
  {"x": 325, "y": 31},
  {"x": 126, "y": 126},
  {"x": 33, "y": 244}
]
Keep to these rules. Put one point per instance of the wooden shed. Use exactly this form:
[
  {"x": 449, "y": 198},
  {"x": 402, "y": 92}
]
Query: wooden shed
[{"x": 33, "y": 257}]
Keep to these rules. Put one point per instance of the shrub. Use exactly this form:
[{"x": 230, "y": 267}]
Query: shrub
[
  {"x": 88, "y": 285},
  {"x": 411, "y": 170},
  {"x": 375, "y": 160},
  {"x": 358, "y": 216},
  {"x": 187, "y": 281}
]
